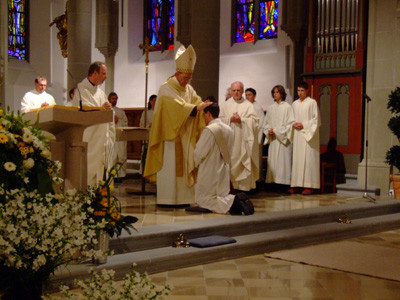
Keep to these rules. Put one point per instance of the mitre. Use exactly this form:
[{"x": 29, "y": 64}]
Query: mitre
[{"x": 185, "y": 59}]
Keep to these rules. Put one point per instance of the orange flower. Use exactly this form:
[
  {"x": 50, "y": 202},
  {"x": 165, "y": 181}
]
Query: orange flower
[
  {"x": 104, "y": 202},
  {"x": 116, "y": 216},
  {"x": 99, "y": 213},
  {"x": 103, "y": 191}
]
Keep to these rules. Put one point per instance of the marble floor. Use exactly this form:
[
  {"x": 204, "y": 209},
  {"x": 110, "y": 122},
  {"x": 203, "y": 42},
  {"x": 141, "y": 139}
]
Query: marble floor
[{"x": 258, "y": 277}]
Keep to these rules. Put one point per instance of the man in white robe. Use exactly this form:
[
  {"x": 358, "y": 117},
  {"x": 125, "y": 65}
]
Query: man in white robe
[
  {"x": 305, "y": 169},
  {"x": 120, "y": 147},
  {"x": 240, "y": 115},
  {"x": 176, "y": 126},
  {"x": 278, "y": 128},
  {"x": 38, "y": 97},
  {"x": 251, "y": 96},
  {"x": 212, "y": 156},
  {"x": 101, "y": 137}
]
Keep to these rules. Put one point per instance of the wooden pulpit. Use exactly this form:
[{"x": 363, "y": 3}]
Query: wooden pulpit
[{"x": 67, "y": 124}]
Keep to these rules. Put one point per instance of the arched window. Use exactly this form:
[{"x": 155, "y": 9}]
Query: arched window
[
  {"x": 159, "y": 23},
  {"x": 255, "y": 20},
  {"x": 18, "y": 29}
]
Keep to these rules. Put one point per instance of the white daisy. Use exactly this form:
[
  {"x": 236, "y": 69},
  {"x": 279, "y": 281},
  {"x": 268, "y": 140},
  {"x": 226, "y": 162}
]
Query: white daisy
[{"x": 9, "y": 166}]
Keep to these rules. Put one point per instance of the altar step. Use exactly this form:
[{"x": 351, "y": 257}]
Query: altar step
[
  {"x": 351, "y": 187},
  {"x": 150, "y": 247}
]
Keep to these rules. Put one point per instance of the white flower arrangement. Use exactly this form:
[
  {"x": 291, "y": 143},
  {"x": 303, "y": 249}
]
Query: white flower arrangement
[
  {"x": 134, "y": 286},
  {"x": 25, "y": 159},
  {"x": 41, "y": 230}
]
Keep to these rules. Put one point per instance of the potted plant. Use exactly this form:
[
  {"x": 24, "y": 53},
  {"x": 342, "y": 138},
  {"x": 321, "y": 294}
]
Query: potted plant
[{"x": 393, "y": 155}]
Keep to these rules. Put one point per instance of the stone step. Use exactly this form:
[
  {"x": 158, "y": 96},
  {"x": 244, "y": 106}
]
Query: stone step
[
  {"x": 356, "y": 190},
  {"x": 351, "y": 187},
  {"x": 156, "y": 236},
  {"x": 150, "y": 248},
  {"x": 168, "y": 258}
]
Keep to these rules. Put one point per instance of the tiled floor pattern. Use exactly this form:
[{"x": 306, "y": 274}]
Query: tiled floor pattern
[{"x": 258, "y": 277}]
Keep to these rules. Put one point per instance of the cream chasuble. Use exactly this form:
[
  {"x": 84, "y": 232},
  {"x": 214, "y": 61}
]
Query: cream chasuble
[
  {"x": 100, "y": 138},
  {"x": 245, "y": 153},
  {"x": 173, "y": 137},
  {"x": 280, "y": 118},
  {"x": 305, "y": 169},
  {"x": 212, "y": 157}
]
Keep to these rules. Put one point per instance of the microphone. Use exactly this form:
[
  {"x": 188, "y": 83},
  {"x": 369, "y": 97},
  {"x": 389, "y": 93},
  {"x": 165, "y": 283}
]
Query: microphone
[
  {"x": 77, "y": 88},
  {"x": 367, "y": 97}
]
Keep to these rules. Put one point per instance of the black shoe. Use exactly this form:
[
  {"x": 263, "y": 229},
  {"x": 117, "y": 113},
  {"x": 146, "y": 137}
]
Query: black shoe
[
  {"x": 241, "y": 203},
  {"x": 247, "y": 207},
  {"x": 235, "y": 208},
  {"x": 241, "y": 197}
]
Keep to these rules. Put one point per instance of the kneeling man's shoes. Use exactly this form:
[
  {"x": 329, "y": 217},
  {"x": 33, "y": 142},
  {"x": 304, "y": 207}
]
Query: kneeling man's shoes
[{"x": 245, "y": 204}]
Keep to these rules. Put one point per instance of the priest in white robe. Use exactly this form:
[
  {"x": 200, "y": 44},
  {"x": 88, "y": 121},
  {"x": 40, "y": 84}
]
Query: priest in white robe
[
  {"x": 176, "y": 127},
  {"x": 101, "y": 137},
  {"x": 305, "y": 169},
  {"x": 212, "y": 156},
  {"x": 120, "y": 147},
  {"x": 38, "y": 97},
  {"x": 251, "y": 95},
  {"x": 240, "y": 115},
  {"x": 278, "y": 128}
]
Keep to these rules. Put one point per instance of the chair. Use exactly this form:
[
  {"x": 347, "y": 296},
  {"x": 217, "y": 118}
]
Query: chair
[{"x": 324, "y": 167}]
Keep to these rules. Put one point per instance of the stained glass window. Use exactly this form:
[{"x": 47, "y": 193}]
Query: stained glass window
[
  {"x": 160, "y": 23},
  {"x": 245, "y": 25},
  {"x": 17, "y": 29},
  {"x": 255, "y": 20},
  {"x": 268, "y": 19}
]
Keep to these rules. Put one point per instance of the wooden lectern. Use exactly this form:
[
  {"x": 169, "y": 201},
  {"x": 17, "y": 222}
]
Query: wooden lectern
[{"x": 67, "y": 124}]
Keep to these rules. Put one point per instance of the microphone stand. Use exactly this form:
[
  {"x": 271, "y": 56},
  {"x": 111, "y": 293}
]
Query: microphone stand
[
  {"x": 365, "y": 195},
  {"x": 77, "y": 88}
]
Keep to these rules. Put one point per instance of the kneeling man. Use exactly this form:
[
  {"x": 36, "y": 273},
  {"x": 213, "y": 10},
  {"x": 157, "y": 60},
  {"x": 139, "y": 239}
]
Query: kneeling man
[{"x": 212, "y": 157}]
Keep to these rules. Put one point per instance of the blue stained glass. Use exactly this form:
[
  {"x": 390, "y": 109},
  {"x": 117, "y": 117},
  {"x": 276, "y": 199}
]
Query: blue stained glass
[
  {"x": 17, "y": 39},
  {"x": 245, "y": 25},
  {"x": 171, "y": 22},
  {"x": 268, "y": 19},
  {"x": 154, "y": 24}
]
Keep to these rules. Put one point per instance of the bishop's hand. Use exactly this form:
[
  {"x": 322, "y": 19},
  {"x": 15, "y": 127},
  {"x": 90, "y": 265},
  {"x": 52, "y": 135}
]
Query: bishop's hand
[{"x": 203, "y": 105}]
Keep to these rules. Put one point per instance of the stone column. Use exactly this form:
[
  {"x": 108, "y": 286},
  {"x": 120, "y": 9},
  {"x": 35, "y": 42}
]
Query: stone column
[
  {"x": 107, "y": 36},
  {"x": 294, "y": 23},
  {"x": 79, "y": 15},
  {"x": 383, "y": 75},
  {"x": 198, "y": 25}
]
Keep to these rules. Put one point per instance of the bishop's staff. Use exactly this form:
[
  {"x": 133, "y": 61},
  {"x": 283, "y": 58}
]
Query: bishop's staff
[{"x": 147, "y": 48}]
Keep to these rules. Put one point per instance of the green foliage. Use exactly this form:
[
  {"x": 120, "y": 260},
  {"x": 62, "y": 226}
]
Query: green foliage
[
  {"x": 394, "y": 101},
  {"x": 394, "y": 125},
  {"x": 393, "y": 155}
]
